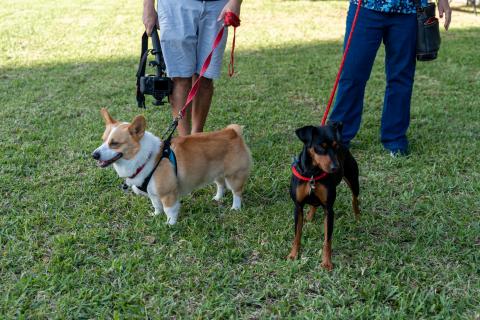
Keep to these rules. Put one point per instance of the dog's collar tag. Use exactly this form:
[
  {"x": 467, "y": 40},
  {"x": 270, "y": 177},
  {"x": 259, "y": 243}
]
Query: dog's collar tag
[{"x": 312, "y": 184}]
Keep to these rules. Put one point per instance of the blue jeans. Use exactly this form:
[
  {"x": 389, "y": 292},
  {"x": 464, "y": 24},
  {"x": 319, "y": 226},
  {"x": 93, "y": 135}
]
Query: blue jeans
[{"x": 398, "y": 32}]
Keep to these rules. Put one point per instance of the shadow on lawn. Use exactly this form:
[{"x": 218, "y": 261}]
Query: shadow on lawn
[
  {"x": 294, "y": 80},
  {"x": 50, "y": 113}
]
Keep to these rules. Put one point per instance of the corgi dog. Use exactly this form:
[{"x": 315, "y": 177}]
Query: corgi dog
[{"x": 166, "y": 171}]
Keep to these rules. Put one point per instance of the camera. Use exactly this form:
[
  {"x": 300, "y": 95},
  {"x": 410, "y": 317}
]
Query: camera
[{"x": 159, "y": 85}]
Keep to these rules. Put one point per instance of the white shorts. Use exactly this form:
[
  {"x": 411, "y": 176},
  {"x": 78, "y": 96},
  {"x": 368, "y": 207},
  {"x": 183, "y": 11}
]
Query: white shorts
[{"x": 187, "y": 31}]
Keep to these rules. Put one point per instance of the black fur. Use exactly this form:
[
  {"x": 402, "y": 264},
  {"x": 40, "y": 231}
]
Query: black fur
[{"x": 322, "y": 140}]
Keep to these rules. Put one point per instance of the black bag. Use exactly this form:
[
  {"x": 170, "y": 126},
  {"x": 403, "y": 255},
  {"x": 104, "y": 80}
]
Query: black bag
[{"x": 428, "y": 32}]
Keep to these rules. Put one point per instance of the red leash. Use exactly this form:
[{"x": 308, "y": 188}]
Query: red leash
[
  {"x": 332, "y": 94},
  {"x": 231, "y": 19}
]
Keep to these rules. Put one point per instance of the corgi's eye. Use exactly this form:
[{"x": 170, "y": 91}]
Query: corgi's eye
[{"x": 114, "y": 144}]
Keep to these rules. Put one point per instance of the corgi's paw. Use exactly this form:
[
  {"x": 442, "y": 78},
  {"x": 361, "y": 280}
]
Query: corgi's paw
[
  {"x": 171, "y": 221},
  {"x": 237, "y": 202},
  {"x": 155, "y": 213}
]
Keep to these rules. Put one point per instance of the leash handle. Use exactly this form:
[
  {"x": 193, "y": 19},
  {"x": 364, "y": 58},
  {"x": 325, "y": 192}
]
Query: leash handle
[
  {"x": 337, "y": 79},
  {"x": 231, "y": 19}
]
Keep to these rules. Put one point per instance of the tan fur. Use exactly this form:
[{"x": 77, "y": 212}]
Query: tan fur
[
  {"x": 311, "y": 213},
  {"x": 238, "y": 129},
  {"x": 320, "y": 191},
  {"x": 322, "y": 161},
  {"x": 327, "y": 246},
  {"x": 293, "y": 255},
  {"x": 221, "y": 156},
  {"x": 356, "y": 209},
  {"x": 126, "y": 142},
  {"x": 203, "y": 157},
  {"x": 107, "y": 117}
]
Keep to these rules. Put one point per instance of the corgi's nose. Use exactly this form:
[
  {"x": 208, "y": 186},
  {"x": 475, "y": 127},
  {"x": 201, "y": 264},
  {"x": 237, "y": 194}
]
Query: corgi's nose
[{"x": 96, "y": 155}]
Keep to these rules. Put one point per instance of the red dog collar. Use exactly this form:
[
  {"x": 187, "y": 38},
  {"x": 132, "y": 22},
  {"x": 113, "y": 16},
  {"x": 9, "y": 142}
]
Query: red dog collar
[
  {"x": 139, "y": 169},
  {"x": 303, "y": 178}
]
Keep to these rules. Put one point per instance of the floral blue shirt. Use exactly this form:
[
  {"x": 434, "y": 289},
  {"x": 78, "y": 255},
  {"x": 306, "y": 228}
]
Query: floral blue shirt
[{"x": 394, "y": 6}]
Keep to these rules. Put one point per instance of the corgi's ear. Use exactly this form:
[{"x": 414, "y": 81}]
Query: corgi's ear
[
  {"x": 107, "y": 117},
  {"x": 305, "y": 134},
  {"x": 137, "y": 127}
]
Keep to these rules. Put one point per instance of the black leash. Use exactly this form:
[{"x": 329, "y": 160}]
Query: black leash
[{"x": 166, "y": 153}]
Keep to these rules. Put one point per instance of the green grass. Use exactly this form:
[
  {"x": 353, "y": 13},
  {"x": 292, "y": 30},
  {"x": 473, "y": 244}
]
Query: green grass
[{"x": 72, "y": 245}]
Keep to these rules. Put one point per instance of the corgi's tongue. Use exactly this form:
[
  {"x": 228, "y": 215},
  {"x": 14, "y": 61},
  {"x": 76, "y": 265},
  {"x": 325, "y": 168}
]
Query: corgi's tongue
[{"x": 106, "y": 163}]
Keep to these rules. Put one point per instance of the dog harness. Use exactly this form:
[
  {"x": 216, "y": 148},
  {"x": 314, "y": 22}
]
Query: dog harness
[{"x": 167, "y": 152}]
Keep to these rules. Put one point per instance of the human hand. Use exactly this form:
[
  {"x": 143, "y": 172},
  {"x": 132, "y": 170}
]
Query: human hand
[
  {"x": 233, "y": 6},
  {"x": 150, "y": 18},
  {"x": 444, "y": 7}
]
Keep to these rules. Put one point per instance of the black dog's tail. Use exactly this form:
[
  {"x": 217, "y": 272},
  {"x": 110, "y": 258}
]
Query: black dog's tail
[
  {"x": 350, "y": 174},
  {"x": 350, "y": 171}
]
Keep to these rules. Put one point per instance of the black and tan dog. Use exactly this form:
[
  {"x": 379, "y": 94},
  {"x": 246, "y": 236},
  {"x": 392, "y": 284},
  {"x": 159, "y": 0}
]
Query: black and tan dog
[{"x": 322, "y": 164}]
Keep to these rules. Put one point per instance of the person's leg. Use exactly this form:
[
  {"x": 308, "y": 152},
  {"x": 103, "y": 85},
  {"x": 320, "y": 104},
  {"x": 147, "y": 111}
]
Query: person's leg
[
  {"x": 207, "y": 31},
  {"x": 181, "y": 87},
  {"x": 400, "y": 45},
  {"x": 358, "y": 64},
  {"x": 178, "y": 37},
  {"x": 201, "y": 104}
]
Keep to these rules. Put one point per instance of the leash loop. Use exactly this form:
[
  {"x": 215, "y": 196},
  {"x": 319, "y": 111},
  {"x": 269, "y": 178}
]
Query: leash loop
[{"x": 231, "y": 19}]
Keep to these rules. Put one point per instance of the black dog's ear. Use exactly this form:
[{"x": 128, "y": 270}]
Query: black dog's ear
[
  {"x": 305, "y": 134},
  {"x": 338, "y": 127}
]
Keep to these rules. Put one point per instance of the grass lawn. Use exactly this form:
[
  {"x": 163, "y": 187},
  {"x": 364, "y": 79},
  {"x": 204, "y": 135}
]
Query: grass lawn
[{"x": 73, "y": 245}]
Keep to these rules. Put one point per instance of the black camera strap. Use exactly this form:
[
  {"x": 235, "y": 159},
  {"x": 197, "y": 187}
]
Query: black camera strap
[{"x": 141, "y": 69}]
